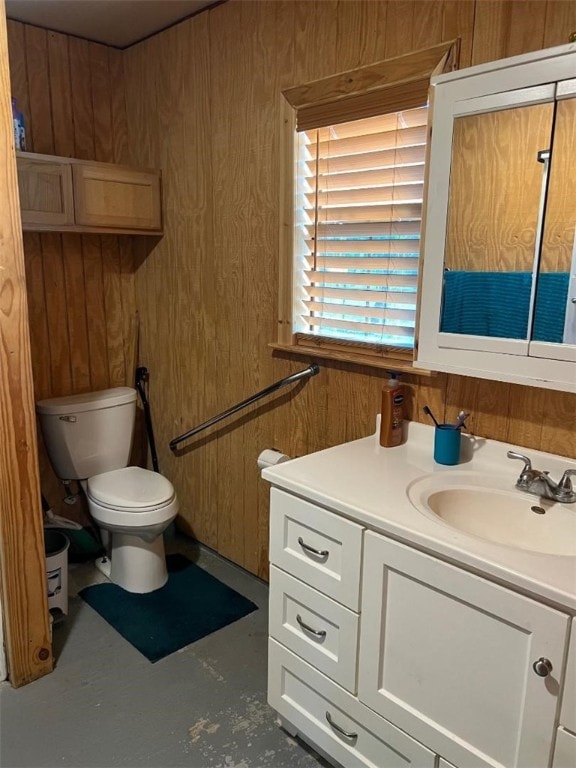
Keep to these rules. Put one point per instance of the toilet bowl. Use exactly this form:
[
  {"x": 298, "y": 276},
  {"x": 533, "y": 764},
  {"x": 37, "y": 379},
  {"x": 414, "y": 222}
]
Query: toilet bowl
[
  {"x": 135, "y": 506},
  {"x": 88, "y": 438}
]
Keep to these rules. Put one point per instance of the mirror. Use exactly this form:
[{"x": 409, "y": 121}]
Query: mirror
[
  {"x": 497, "y": 295},
  {"x": 555, "y": 301},
  {"x": 510, "y": 225}
]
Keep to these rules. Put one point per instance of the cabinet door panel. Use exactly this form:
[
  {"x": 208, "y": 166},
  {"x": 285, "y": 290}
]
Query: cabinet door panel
[
  {"x": 111, "y": 196},
  {"x": 45, "y": 189},
  {"x": 304, "y": 697},
  {"x": 448, "y": 657}
]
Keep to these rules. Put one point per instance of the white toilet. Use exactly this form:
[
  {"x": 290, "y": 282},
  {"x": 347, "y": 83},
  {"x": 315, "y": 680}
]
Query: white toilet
[{"x": 89, "y": 438}]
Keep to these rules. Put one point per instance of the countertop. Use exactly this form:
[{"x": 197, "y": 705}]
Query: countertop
[{"x": 366, "y": 483}]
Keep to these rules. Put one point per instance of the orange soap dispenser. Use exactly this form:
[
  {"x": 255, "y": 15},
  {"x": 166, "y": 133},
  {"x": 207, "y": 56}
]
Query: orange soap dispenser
[{"x": 392, "y": 412}]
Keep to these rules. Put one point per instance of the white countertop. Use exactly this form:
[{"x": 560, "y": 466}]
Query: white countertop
[{"x": 368, "y": 484}]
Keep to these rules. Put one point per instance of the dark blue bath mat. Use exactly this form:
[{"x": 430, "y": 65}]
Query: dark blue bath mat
[{"x": 191, "y": 605}]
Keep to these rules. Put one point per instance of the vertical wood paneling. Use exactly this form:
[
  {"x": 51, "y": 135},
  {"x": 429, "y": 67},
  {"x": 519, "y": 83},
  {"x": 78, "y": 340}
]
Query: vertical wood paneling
[
  {"x": 215, "y": 270},
  {"x": 22, "y": 564},
  {"x": 80, "y": 290}
]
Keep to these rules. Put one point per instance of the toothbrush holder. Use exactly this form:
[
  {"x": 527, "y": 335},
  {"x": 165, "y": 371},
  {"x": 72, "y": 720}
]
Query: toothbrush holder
[{"x": 446, "y": 444}]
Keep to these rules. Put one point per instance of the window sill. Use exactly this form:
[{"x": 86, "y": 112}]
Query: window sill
[{"x": 402, "y": 364}]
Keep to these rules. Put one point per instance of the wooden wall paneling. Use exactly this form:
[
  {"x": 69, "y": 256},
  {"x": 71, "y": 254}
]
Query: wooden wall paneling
[
  {"x": 22, "y": 563},
  {"x": 559, "y": 424},
  {"x": 101, "y": 88},
  {"x": 55, "y": 292},
  {"x": 363, "y": 22},
  {"x": 42, "y": 140},
  {"x": 524, "y": 37},
  {"x": 491, "y": 30},
  {"x": 399, "y": 24},
  {"x": 60, "y": 94},
  {"x": 526, "y": 414},
  {"x": 72, "y": 303},
  {"x": 40, "y": 134},
  {"x": 427, "y": 24},
  {"x": 458, "y": 22},
  {"x": 560, "y": 22},
  {"x": 176, "y": 371},
  {"x": 37, "y": 316},
  {"x": 232, "y": 127},
  {"x": 258, "y": 324}
]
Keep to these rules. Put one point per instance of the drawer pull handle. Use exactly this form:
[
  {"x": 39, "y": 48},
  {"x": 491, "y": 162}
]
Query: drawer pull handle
[
  {"x": 338, "y": 729},
  {"x": 315, "y": 632},
  {"x": 308, "y": 548},
  {"x": 542, "y": 667}
]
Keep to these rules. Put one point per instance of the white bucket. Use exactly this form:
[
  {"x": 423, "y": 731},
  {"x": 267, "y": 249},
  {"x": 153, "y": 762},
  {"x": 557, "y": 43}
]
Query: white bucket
[{"x": 56, "y": 549}]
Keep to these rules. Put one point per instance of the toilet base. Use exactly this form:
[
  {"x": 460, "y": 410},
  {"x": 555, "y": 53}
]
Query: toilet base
[{"x": 137, "y": 566}]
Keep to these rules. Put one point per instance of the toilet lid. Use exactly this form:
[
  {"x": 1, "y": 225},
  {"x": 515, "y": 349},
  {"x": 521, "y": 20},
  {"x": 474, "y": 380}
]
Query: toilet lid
[{"x": 130, "y": 488}]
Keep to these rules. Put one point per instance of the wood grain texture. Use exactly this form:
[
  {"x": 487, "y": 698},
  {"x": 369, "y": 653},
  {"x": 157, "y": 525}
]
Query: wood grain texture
[
  {"x": 493, "y": 154},
  {"x": 80, "y": 290},
  {"x": 22, "y": 564},
  {"x": 201, "y": 102},
  {"x": 207, "y": 294}
]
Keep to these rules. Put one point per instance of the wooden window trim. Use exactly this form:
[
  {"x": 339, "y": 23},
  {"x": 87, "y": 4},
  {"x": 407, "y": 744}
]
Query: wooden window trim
[{"x": 380, "y": 84}]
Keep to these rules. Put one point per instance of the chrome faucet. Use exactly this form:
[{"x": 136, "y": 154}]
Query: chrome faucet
[{"x": 541, "y": 484}]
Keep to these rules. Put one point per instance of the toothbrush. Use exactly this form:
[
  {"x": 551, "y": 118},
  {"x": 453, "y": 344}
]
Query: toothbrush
[{"x": 428, "y": 412}]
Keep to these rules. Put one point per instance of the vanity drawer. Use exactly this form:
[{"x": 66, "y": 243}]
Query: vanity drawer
[
  {"x": 321, "y": 631},
  {"x": 316, "y": 546},
  {"x": 565, "y": 750},
  {"x": 306, "y": 698}
]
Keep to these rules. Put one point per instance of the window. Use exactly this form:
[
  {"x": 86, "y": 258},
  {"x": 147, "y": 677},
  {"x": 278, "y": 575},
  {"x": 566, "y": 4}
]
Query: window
[
  {"x": 357, "y": 241},
  {"x": 352, "y": 164}
]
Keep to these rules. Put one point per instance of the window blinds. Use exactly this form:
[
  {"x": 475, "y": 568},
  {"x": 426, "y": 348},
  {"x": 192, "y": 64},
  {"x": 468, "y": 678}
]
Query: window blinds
[{"x": 360, "y": 188}]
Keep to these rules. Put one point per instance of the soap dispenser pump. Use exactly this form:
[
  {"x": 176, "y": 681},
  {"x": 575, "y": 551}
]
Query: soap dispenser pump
[{"x": 392, "y": 412}]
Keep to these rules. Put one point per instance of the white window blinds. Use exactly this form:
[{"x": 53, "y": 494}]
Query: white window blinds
[{"x": 359, "y": 208}]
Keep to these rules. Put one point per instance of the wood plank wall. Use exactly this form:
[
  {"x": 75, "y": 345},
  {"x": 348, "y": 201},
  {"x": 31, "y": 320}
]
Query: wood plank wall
[
  {"x": 80, "y": 288},
  {"x": 23, "y": 597},
  {"x": 203, "y": 104}
]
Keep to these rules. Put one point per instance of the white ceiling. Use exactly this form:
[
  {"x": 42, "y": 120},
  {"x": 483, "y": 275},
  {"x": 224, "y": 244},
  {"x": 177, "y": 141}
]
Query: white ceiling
[{"x": 115, "y": 22}]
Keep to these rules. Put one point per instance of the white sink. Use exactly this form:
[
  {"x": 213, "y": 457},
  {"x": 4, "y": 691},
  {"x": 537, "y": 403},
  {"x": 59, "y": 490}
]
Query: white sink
[{"x": 482, "y": 506}]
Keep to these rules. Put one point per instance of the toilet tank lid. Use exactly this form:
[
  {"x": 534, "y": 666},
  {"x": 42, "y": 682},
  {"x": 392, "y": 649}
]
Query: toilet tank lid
[{"x": 89, "y": 401}]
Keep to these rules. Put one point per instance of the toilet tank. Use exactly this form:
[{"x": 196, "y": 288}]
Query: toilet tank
[{"x": 90, "y": 433}]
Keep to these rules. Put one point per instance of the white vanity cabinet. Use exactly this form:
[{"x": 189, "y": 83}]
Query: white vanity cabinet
[{"x": 432, "y": 666}]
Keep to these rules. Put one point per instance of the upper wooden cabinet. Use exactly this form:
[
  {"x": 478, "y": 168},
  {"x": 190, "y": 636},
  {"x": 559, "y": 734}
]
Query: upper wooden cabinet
[{"x": 64, "y": 194}]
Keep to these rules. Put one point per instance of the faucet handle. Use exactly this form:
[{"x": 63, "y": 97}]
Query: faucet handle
[
  {"x": 565, "y": 482},
  {"x": 520, "y": 457}
]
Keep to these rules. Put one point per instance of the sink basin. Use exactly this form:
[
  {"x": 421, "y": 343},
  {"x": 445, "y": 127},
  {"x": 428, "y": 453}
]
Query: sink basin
[{"x": 484, "y": 507}]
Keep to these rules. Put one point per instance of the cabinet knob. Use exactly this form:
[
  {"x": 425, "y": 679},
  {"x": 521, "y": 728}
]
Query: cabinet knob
[{"x": 542, "y": 667}]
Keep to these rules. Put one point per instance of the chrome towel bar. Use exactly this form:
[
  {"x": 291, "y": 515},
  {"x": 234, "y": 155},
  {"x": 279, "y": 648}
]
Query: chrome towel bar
[{"x": 312, "y": 370}]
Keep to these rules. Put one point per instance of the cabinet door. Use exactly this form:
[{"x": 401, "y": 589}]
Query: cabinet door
[
  {"x": 114, "y": 197},
  {"x": 45, "y": 188},
  {"x": 448, "y": 657}
]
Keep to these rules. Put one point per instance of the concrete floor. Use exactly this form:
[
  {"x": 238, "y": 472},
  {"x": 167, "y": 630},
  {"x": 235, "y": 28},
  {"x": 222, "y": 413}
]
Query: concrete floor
[{"x": 106, "y": 705}]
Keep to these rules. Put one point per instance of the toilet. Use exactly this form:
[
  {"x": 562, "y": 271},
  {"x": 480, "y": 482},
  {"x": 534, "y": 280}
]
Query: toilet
[{"x": 88, "y": 438}]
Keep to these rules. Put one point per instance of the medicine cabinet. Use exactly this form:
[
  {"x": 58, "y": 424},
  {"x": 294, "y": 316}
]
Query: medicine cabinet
[{"x": 498, "y": 290}]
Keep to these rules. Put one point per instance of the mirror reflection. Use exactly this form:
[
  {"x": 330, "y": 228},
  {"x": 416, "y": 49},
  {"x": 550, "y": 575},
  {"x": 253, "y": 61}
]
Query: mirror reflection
[{"x": 496, "y": 198}]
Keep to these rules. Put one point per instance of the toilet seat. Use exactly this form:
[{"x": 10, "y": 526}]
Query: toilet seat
[
  {"x": 131, "y": 497},
  {"x": 131, "y": 489}
]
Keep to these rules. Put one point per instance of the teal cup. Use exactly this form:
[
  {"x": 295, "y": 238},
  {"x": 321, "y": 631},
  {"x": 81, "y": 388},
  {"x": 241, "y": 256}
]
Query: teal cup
[{"x": 446, "y": 444}]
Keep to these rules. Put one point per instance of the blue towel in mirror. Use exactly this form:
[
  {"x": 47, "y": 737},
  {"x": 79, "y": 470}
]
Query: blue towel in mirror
[
  {"x": 550, "y": 306},
  {"x": 492, "y": 304},
  {"x": 497, "y": 304}
]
